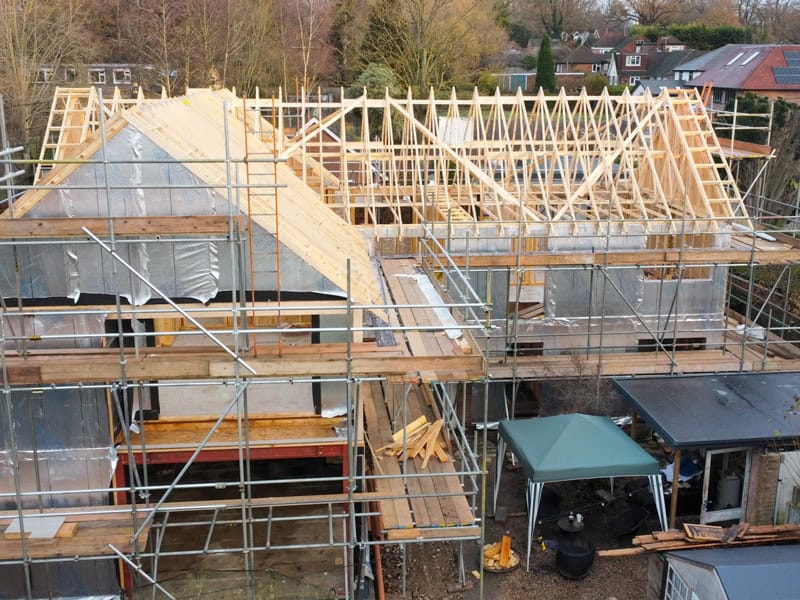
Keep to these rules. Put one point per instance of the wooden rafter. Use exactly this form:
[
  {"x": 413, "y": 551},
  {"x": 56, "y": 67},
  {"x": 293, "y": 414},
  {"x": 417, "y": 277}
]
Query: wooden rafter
[{"x": 507, "y": 159}]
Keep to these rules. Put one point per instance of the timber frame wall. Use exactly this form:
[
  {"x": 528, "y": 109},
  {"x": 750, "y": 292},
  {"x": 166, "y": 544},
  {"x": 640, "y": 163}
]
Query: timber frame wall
[{"x": 474, "y": 190}]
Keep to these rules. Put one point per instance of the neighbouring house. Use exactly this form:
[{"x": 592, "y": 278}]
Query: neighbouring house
[
  {"x": 127, "y": 77},
  {"x": 656, "y": 86},
  {"x": 581, "y": 60},
  {"x": 511, "y": 81},
  {"x": 727, "y": 574},
  {"x": 669, "y": 43},
  {"x": 632, "y": 57},
  {"x": 663, "y": 64},
  {"x": 607, "y": 41},
  {"x": 581, "y": 37},
  {"x": 660, "y": 71},
  {"x": 771, "y": 70},
  {"x": 638, "y": 58},
  {"x": 690, "y": 69},
  {"x": 511, "y": 55}
]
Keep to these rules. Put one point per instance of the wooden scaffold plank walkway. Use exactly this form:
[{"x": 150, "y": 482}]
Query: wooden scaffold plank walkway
[{"x": 426, "y": 503}]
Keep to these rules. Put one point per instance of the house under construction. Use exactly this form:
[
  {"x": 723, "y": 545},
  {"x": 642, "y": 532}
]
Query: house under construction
[{"x": 313, "y": 301}]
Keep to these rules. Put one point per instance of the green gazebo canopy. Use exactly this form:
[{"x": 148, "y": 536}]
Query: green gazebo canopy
[{"x": 575, "y": 446}]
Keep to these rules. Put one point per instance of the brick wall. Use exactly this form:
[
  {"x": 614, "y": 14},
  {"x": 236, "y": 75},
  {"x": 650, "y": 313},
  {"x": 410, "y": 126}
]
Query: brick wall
[{"x": 764, "y": 470}]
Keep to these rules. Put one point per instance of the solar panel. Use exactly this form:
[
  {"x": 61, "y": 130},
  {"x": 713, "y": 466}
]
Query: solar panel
[
  {"x": 791, "y": 54},
  {"x": 792, "y": 58},
  {"x": 786, "y": 75}
]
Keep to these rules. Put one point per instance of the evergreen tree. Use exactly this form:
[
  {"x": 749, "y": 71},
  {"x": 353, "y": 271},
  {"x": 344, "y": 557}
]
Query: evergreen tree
[{"x": 545, "y": 68}]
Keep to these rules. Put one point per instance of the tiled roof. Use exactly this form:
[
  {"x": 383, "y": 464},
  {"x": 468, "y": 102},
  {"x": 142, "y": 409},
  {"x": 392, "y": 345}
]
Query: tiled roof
[
  {"x": 582, "y": 56},
  {"x": 656, "y": 85},
  {"x": 663, "y": 63},
  {"x": 700, "y": 63},
  {"x": 748, "y": 67},
  {"x": 609, "y": 39}
]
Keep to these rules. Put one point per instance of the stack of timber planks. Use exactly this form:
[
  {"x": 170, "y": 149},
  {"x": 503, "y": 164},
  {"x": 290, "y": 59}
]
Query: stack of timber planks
[
  {"x": 418, "y": 438},
  {"x": 708, "y": 536}
]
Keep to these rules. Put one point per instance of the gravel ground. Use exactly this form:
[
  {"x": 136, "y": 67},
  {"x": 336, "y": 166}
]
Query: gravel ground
[
  {"x": 432, "y": 569},
  {"x": 617, "y": 578}
]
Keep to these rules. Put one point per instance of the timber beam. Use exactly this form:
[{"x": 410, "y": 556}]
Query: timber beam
[
  {"x": 42, "y": 369},
  {"x": 124, "y": 512},
  {"x": 624, "y": 364},
  {"x": 212, "y": 310},
  {"x": 643, "y": 258},
  {"x": 143, "y": 226},
  {"x": 167, "y": 364}
]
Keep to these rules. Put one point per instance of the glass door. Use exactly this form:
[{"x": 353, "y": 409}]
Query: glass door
[{"x": 725, "y": 480}]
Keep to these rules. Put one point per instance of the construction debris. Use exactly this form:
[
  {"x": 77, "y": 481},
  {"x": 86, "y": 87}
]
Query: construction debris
[
  {"x": 505, "y": 552},
  {"x": 708, "y": 536},
  {"x": 418, "y": 438},
  {"x": 500, "y": 557}
]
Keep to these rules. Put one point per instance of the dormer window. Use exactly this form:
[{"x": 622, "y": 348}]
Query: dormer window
[
  {"x": 44, "y": 75},
  {"x": 122, "y": 76},
  {"x": 97, "y": 76}
]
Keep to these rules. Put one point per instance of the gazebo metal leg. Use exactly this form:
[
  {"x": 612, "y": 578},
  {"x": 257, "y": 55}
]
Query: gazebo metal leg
[
  {"x": 657, "y": 489},
  {"x": 534, "y": 498},
  {"x": 501, "y": 453}
]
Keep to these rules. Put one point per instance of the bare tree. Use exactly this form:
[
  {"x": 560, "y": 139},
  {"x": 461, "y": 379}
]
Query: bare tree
[
  {"x": 557, "y": 16},
  {"x": 156, "y": 31},
  {"x": 304, "y": 27},
  {"x": 213, "y": 33},
  {"x": 780, "y": 19},
  {"x": 206, "y": 21},
  {"x": 431, "y": 43},
  {"x": 748, "y": 12},
  {"x": 251, "y": 48},
  {"x": 654, "y": 12},
  {"x": 348, "y": 28},
  {"x": 712, "y": 12},
  {"x": 312, "y": 21},
  {"x": 37, "y": 38}
]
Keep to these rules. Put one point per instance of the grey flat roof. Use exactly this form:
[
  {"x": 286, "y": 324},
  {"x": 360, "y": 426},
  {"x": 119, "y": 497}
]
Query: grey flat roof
[
  {"x": 709, "y": 411},
  {"x": 753, "y": 573}
]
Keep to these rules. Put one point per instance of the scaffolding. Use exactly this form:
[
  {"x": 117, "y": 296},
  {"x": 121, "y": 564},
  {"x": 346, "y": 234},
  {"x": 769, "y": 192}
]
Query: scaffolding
[{"x": 321, "y": 275}]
